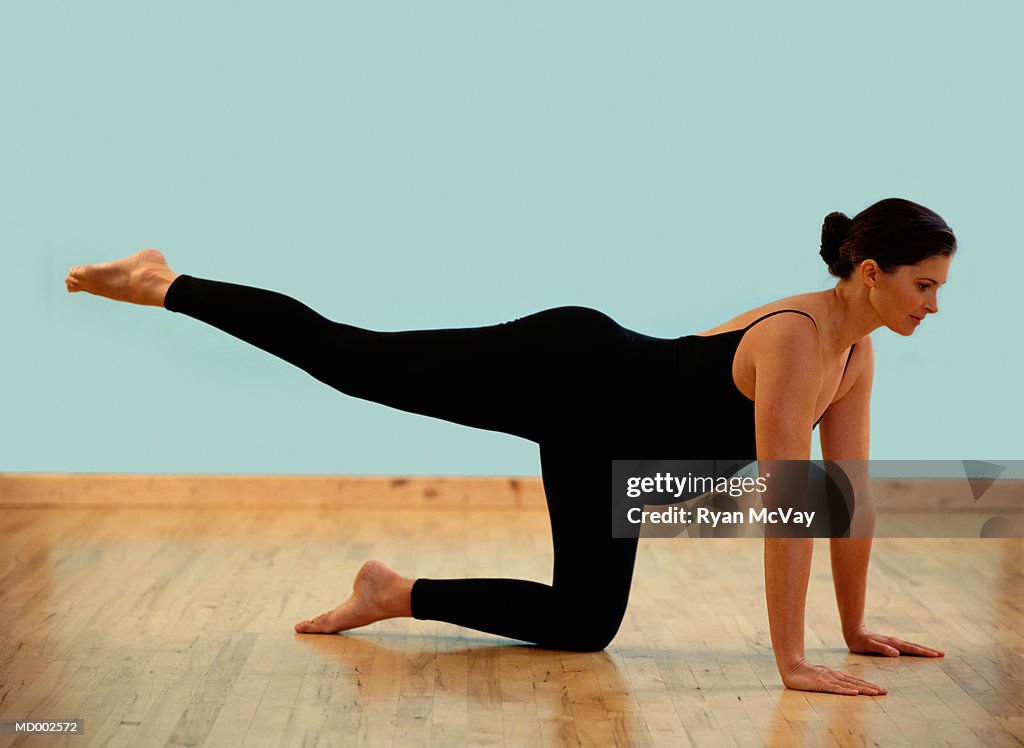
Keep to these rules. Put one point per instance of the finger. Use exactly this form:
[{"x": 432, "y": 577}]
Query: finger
[
  {"x": 916, "y": 649},
  {"x": 848, "y": 688},
  {"x": 839, "y": 687},
  {"x": 883, "y": 647},
  {"x": 911, "y": 648},
  {"x": 862, "y": 684}
]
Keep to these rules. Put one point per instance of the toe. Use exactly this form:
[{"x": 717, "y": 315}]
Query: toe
[{"x": 313, "y": 626}]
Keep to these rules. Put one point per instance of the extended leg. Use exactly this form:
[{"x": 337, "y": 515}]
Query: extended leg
[{"x": 541, "y": 377}]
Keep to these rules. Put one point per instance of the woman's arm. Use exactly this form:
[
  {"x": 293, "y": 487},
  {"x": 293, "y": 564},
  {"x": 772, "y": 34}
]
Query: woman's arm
[
  {"x": 845, "y": 435},
  {"x": 787, "y": 381},
  {"x": 845, "y": 432}
]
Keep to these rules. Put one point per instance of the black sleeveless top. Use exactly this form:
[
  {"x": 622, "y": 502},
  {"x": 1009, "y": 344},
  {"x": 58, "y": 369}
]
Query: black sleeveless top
[
  {"x": 634, "y": 396},
  {"x": 705, "y": 364}
]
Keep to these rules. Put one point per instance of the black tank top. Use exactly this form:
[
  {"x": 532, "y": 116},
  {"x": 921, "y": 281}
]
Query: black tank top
[{"x": 726, "y": 415}]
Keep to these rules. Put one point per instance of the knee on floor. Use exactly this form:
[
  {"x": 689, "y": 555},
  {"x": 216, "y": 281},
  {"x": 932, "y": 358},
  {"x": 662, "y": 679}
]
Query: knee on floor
[{"x": 587, "y": 630}]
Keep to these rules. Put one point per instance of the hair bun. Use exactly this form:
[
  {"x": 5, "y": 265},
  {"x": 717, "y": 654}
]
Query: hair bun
[{"x": 832, "y": 232}]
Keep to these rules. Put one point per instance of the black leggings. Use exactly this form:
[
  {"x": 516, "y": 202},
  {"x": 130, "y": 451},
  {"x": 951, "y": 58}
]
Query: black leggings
[{"x": 543, "y": 377}]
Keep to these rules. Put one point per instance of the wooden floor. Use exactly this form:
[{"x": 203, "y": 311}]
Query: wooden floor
[{"x": 174, "y": 627}]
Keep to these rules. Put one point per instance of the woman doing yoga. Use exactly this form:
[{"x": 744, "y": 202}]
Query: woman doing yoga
[{"x": 587, "y": 390}]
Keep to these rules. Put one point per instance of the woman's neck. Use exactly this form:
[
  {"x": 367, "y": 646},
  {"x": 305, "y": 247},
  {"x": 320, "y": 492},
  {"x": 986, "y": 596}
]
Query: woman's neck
[{"x": 850, "y": 316}]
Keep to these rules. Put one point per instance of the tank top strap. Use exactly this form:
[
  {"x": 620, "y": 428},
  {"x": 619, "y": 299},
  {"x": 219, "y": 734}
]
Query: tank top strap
[
  {"x": 848, "y": 357},
  {"x": 780, "y": 311}
]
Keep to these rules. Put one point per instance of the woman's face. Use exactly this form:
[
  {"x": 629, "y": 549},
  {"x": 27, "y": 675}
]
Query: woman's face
[{"x": 904, "y": 297}]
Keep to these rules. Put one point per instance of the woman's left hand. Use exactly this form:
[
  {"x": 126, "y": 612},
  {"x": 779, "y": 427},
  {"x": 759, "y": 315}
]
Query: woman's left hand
[{"x": 863, "y": 641}]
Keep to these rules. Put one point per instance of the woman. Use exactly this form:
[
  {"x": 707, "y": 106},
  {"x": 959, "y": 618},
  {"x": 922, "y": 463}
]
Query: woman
[{"x": 588, "y": 390}]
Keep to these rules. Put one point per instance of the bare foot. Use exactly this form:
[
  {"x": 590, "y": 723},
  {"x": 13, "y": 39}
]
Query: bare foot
[
  {"x": 142, "y": 278},
  {"x": 377, "y": 593}
]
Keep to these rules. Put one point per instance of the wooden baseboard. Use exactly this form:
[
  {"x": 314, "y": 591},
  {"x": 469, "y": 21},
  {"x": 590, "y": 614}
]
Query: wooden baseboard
[
  {"x": 93, "y": 489},
  {"x": 478, "y": 492}
]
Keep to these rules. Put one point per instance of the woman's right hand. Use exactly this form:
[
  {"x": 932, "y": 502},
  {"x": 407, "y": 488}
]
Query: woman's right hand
[{"x": 806, "y": 677}]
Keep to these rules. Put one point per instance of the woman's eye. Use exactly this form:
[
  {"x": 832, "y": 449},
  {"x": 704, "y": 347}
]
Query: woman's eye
[{"x": 923, "y": 286}]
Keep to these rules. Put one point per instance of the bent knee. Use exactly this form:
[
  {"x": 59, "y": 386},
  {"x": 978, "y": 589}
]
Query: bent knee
[{"x": 586, "y": 631}]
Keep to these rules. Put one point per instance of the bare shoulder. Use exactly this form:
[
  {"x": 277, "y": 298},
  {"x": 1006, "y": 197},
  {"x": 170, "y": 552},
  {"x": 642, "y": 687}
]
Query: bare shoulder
[
  {"x": 790, "y": 340},
  {"x": 781, "y": 351},
  {"x": 784, "y": 356}
]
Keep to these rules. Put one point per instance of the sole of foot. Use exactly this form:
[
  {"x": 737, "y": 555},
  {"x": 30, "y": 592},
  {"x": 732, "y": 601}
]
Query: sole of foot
[{"x": 142, "y": 278}]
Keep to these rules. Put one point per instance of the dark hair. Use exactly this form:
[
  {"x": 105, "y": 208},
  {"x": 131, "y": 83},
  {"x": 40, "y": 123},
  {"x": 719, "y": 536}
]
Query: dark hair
[{"x": 891, "y": 232}]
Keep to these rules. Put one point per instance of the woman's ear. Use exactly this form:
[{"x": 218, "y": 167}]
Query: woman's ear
[{"x": 869, "y": 273}]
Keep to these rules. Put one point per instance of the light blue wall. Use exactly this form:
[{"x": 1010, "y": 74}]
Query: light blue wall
[{"x": 410, "y": 165}]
